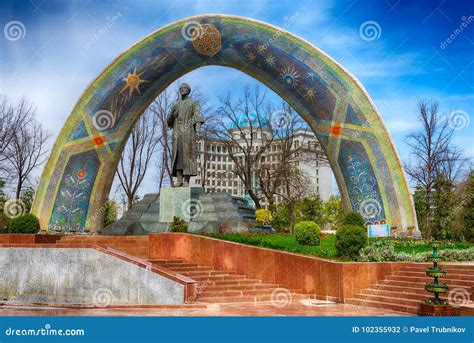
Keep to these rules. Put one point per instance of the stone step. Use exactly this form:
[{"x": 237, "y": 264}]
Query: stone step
[
  {"x": 400, "y": 289},
  {"x": 370, "y": 293},
  {"x": 394, "y": 307},
  {"x": 236, "y": 282},
  {"x": 217, "y": 278},
  {"x": 388, "y": 299},
  {"x": 176, "y": 265},
  {"x": 425, "y": 279},
  {"x": 254, "y": 286},
  {"x": 234, "y": 293},
  {"x": 458, "y": 271},
  {"x": 189, "y": 269},
  {"x": 445, "y": 266},
  {"x": 467, "y": 276},
  {"x": 159, "y": 260},
  {"x": 248, "y": 298},
  {"x": 420, "y": 285},
  {"x": 204, "y": 274}
]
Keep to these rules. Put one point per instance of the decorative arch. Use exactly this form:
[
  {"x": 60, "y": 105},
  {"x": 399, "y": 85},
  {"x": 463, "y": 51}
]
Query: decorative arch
[{"x": 80, "y": 170}]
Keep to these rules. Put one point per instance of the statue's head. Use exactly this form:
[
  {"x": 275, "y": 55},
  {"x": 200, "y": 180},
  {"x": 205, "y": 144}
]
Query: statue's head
[{"x": 184, "y": 89}]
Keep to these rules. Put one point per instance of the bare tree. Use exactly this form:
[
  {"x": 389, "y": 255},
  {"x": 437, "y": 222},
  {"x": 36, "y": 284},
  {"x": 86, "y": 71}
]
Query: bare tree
[
  {"x": 137, "y": 155},
  {"x": 290, "y": 149},
  {"x": 12, "y": 117},
  {"x": 160, "y": 108},
  {"x": 26, "y": 149},
  {"x": 206, "y": 136},
  {"x": 433, "y": 152},
  {"x": 246, "y": 134}
]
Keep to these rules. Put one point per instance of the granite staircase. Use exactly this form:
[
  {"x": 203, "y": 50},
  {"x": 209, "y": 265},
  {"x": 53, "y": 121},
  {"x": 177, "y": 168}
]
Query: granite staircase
[
  {"x": 219, "y": 286},
  {"x": 404, "y": 289}
]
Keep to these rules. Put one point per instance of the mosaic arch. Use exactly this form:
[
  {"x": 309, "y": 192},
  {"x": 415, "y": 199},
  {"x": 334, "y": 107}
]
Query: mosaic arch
[{"x": 80, "y": 170}]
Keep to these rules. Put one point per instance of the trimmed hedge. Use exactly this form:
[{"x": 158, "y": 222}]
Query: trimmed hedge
[
  {"x": 26, "y": 223},
  {"x": 178, "y": 225},
  {"x": 350, "y": 239},
  {"x": 353, "y": 218},
  {"x": 307, "y": 233}
]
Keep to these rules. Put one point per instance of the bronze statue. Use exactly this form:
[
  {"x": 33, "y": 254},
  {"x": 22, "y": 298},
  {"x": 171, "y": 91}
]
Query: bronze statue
[{"x": 185, "y": 119}]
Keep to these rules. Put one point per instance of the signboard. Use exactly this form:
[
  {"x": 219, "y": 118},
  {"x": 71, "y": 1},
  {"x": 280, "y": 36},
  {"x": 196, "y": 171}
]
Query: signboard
[{"x": 381, "y": 230}]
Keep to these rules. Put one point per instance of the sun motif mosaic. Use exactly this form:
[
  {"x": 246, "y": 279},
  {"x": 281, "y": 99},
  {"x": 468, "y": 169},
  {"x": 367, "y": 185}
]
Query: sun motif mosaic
[
  {"x": 133, "y": 82},
  {"x": 290, "y": 77}
]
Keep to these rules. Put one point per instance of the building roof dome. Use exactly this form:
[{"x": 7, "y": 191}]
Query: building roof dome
[{"x": 252, "y": 119}]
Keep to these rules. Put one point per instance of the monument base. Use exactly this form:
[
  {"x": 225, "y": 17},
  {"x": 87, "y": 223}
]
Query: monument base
[
  {"x": 204, "y": 212},
  {"x": 436, "y": 310}
]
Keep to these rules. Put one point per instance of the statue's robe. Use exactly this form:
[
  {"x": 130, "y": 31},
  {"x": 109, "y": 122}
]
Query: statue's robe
[{"x": 182, "y": 119}]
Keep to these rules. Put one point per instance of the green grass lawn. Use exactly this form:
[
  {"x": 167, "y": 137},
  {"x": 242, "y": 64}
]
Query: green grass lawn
[
  {"x": 284, "y": 242},
  {"x": 327, "y": 249},
  {"x": 414, "y": 247}
]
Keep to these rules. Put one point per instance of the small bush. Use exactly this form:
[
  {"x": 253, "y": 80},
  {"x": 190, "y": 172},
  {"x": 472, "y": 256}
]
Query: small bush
[
  {"x": 307, "y": 233},
  {"x": 353, "y": 218},
  {"x": 178, "y": 225},
  {"x": 350, "y": 239},
  {"x": 263, "y": 216},
  {"x": 26, "y": 223}
]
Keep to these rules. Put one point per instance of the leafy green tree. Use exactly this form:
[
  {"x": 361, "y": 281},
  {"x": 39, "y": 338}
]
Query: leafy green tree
[
  {"x": 4, "y": 220},
  {"x": 110, "y": 215},
  {"x": 468, "y": 209},
  {"x": 27, "y": 199},
  {"x": 333, "y": 212},
  {"x": 353, "y": 218},
  {"x": 420, "y": 208},
  {"x": 310, "y": 209},
  {"x": 441, "y": 224},
  {"x": 280, "y": 217}
]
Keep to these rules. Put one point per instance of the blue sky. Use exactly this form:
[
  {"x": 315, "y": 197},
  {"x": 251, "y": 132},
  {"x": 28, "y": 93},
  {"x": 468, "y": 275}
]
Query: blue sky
[{"x": 58, "y": 56}]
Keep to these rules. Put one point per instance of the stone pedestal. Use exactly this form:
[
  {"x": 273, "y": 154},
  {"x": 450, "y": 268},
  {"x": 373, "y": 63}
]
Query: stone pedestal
[
  {"x": 436, "y": 310},
  {"x": 211, "y": 212},
  {"x": 181, "y": 202}
]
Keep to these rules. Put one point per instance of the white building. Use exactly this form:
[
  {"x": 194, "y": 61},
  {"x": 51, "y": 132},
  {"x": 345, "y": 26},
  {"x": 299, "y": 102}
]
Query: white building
[{"x": 218, "y": 175}]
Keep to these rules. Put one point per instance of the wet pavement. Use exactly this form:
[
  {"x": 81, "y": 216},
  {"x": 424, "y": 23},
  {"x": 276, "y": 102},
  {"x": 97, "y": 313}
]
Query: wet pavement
[{"x": 264, "y": 308}]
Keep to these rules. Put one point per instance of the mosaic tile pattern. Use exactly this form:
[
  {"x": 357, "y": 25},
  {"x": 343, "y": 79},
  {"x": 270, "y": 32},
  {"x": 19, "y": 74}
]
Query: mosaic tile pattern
[{"x": 337, "y": 108}]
